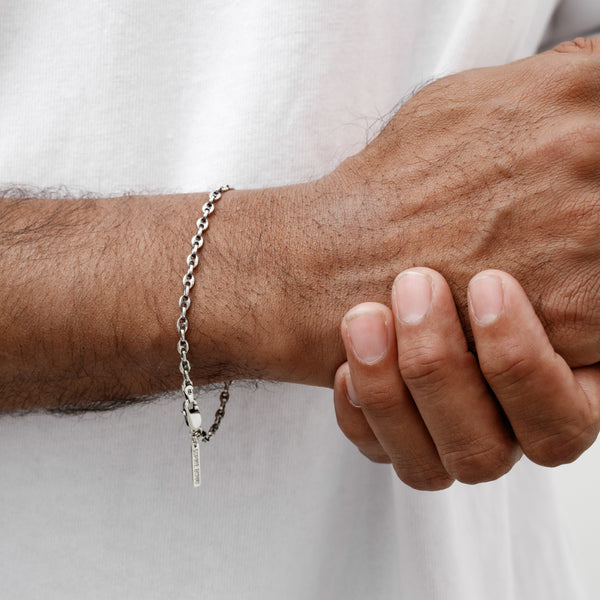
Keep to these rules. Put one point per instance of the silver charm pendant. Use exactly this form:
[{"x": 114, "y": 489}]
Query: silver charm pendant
[
  {"x": 194, "y": 422},
  {"x": 196, "y": 477}
]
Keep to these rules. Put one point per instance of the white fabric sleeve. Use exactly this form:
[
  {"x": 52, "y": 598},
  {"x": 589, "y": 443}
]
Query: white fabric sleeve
[{"x": 571, "y": 19}]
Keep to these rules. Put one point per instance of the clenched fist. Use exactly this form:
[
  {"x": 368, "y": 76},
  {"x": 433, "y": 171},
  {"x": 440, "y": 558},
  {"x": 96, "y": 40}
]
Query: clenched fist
[{"x": 413, "y": 395}]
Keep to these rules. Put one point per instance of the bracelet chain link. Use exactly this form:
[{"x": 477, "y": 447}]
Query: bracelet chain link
[{"x": 190, "y": 406}]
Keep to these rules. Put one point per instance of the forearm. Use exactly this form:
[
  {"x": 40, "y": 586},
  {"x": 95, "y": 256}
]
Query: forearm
[{"x": 89, "y": 292}]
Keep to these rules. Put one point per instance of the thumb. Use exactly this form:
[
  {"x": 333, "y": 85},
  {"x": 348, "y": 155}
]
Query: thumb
[{"x": 589, "y": 46}]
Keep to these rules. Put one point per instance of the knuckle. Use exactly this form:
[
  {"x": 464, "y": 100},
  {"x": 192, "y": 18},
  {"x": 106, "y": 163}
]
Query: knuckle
[
  {"x": 481, "y": 462},
  {"x": 357, "y": 432},
  {"x": 576, "y": 146},
  {"x": 363, "y": 438},
  {"x": 580, "y": 45},
  {"x": 576, "y": 302},
  {"x": 425, "y": 477},
  {"x": 378, "y": 457},
  {"x": 572, "y": 79},
  {"x": 508, "y": 368},
  {"x": 561, "y": 446},
  {"x": 423, "y": 368},
  {"x": 426, "y": 483},
  {"x": 378, "y": 402}
]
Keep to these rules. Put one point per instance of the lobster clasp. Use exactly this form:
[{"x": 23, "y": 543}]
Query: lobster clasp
[
  {"x": 191, "y": 411},
  {"x": 193, "y": 418}
]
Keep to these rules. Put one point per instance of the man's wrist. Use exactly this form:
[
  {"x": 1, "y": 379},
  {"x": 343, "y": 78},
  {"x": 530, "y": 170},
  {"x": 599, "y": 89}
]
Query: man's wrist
[{"x": 91, "y": 292}]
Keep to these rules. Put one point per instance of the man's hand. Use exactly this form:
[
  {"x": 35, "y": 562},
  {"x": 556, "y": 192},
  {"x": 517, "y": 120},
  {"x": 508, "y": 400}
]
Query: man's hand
[
  {"x": 412, "y": 394},
  {"x": 491, "y": 167}
]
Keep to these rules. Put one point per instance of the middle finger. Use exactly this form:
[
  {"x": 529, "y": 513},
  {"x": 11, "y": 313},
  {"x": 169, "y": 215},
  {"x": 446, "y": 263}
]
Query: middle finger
[{"x": 471, "y": 434}]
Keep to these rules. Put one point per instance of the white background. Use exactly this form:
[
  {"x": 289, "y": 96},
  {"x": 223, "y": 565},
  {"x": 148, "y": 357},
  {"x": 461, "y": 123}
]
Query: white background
[{"x": 579, "y": 491}]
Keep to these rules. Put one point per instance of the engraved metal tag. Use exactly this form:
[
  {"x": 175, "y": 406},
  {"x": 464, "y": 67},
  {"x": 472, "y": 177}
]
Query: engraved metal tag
[{"x": 196, "y": 462}]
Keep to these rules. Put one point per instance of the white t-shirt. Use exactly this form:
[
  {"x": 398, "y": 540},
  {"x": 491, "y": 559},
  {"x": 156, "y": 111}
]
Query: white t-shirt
[{"x": 185, "y": 96}]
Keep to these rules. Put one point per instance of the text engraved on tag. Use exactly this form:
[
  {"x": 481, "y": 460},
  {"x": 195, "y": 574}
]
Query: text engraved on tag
[{"x": 196, "y": 463}]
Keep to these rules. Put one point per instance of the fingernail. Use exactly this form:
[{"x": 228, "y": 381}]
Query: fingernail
[
  {"x": 368, "y": 334},
  {"x": 486, "y": 297},
  {"x": 412, "y": 296},
  {"x": 351, "y": 392}
]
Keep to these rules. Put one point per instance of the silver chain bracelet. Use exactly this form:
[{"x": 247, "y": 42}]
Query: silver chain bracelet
[{"x": 191, "y": 409}]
